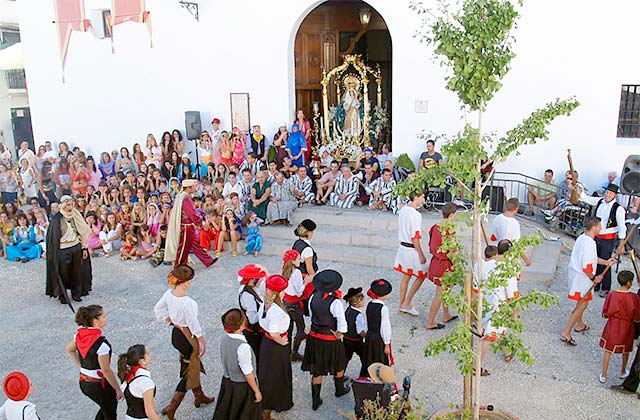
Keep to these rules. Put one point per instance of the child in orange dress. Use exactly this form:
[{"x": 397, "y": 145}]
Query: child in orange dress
[
  {"x": 128, "y": 250},
  {"x": 622, "y": 310}
]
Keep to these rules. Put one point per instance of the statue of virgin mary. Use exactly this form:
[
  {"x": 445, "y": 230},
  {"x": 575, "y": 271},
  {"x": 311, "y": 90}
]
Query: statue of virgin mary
[{"x": 351, "y": 104}]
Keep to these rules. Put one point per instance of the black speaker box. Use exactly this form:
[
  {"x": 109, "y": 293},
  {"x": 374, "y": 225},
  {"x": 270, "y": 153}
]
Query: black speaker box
[
  {"x": 496, "y": 198},
  {"x": 630, "y": 176},
  {"x": 193, "y": 124}
]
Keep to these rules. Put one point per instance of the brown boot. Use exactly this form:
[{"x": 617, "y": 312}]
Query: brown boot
[
  {"x": 200, "y": 398},
  {"x": 266, "y": 415},
  {"x": 170, "y": 410}
]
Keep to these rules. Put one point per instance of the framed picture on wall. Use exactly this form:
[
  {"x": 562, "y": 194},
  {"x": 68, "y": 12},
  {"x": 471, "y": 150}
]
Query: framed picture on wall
[{"x": 240, "y": 111}]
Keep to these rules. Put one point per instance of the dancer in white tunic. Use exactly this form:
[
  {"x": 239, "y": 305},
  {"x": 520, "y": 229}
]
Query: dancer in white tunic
[{"x": 345, "y": 191}]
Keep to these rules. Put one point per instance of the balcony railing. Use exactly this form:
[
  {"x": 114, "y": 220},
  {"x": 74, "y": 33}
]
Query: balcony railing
[{"x": 15, "y": 79}]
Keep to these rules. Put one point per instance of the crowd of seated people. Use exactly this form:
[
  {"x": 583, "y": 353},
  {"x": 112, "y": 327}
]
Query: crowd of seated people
[{"x": 127, "y": 194}]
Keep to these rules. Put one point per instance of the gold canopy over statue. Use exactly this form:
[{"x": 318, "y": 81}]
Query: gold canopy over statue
[{"x": 350, "y": 133}]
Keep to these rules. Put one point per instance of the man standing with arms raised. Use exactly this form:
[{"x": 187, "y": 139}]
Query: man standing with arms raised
[
  {"x": 410, "y": 259},
  {"x": 181, "y": 235}
]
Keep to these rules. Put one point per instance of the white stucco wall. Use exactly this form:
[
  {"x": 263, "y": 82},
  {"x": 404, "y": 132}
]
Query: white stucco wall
[{"x": 564, "y": 48}]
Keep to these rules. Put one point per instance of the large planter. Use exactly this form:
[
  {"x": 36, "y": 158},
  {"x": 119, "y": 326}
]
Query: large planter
[{"x": 485, "y": 414}]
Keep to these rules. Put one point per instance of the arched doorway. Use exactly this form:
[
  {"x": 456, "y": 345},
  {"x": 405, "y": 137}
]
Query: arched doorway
[{"x": 330, "y": 31}]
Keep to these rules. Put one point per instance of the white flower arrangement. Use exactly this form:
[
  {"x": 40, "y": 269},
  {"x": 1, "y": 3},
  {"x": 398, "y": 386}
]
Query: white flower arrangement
[{"x": 340, "y": 147}]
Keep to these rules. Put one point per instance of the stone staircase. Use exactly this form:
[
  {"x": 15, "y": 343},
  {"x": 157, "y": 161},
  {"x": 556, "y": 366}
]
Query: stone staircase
[{"x": 370, "y": 238}]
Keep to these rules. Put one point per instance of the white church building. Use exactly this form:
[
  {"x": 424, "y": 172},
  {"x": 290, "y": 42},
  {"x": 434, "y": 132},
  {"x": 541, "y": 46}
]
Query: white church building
[{"x": 115, "y": 87}]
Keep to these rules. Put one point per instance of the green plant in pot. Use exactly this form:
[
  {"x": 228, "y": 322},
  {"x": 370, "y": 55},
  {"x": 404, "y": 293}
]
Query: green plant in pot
[{"x": 475, "y": 44}]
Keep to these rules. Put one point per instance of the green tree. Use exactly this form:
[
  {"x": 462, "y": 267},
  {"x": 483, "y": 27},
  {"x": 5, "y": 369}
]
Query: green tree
[{"x": 474, "y": 42}]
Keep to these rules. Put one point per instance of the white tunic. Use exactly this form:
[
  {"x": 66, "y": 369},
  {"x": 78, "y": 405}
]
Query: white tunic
[
  {"x": 183, "y": 312},
  {"x": 409, "y": 228},
  {"x": 18, "y": 410},
  {"x": 504, "y": 227},
  {"x": 494, "y": 298},
  {"x": 584, "y": 259}
]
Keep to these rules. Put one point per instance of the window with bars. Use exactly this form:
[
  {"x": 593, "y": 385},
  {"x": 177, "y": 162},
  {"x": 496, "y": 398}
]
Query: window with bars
[{"x": 629, "y": 117}]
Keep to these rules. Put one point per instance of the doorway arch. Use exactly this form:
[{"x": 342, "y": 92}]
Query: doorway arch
[{"x": 322, "y": 35}]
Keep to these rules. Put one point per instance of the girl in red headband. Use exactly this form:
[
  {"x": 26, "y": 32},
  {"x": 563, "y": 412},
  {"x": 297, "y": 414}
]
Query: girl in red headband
[
  {"x": 293, "y": 298},
  {"x": 250, "y": 299},
  {"x": 17, "y": 387},
  {"x": 274, "y": 370},
  {"x": 377, "y": 344}
]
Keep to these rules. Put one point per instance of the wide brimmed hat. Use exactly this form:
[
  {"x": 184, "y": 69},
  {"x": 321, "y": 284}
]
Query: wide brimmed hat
[
  {"x": 250, "y": 271},
  {"x": 381, "y": 373},
  {"x": 307, "y": 225},
  {"x": 613, "y": 188},
  {"x": 190, "y": 183},
  {"x": 276, "y": 282},
  {"x": 16, "y": 386},
  {"x": 353, "y": 292},
  {"x": 380, "y": 287},
  {"x": 327, "y": 281},
  {"x": 183, "y": 273}
]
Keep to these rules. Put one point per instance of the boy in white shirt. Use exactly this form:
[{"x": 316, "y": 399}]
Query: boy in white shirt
[{"x": 17, "y": 387}]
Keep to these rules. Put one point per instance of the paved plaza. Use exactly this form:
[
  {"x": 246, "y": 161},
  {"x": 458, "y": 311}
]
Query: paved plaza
[{"x": 562, "y": 384}]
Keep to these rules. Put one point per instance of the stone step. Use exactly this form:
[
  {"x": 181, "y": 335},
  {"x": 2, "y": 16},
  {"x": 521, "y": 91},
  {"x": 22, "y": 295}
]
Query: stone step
[{"x": 339, "y": 235}]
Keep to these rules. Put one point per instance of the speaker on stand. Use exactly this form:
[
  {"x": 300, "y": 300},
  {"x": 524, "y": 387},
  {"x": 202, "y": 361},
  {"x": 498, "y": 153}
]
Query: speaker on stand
[
  {"x": 630, "y": 176},
  {"x": 193, "y": 126}
]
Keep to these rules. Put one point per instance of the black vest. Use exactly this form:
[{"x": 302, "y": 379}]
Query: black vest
[
  {"x": 258, "y": 147},
  {"x": 352, "y": 332},
  {"x": 300, "y": 245},
  {"x": 374, "y": 319},
  {"x": 135, "y": 405},
  {"x": 322, "y": 320},
  {"x": 253, "y": 327},
  {"x": 612, "y": 222},
  {"x": 90, "y": 361}
]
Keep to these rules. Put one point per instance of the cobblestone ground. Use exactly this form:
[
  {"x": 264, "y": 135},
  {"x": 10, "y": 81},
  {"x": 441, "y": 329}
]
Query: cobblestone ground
[{"x": 562, "y": 384}]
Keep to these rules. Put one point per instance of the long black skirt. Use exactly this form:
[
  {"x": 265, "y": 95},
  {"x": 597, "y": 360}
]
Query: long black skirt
[
  {"x": 323, "y": 357},
  {"x": 254, "y": 340},
  {"x": 236, "y": 400},
  {"x": 274, "y": 376},
  {"x": 373, "y": 352}
]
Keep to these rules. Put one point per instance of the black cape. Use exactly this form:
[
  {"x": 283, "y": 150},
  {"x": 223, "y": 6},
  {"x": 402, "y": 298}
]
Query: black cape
[{"x": 52, "y": 288}]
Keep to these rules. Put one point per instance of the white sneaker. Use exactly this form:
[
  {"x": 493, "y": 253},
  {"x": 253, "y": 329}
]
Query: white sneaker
[
  {"x": 626, "y": 373},
  {"x": 410, "y": 311},
  {"x": 602, "y": 378}
]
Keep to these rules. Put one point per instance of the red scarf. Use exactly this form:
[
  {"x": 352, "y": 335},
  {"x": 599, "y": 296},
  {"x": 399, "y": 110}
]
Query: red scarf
[
  {"x": 132, "y": 373},
  {"x": 337, "y": 294},
  {"x": 85, "y": 339}
]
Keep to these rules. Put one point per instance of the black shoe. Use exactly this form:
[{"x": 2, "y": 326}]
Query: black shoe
[
  {"x": 63, "y": 301},
  {"x": 77, "y": 299},
  {"x": 620, "y": 388},
  {"x": 315, "y": 396},
  {"x": 341, "y": 388}
]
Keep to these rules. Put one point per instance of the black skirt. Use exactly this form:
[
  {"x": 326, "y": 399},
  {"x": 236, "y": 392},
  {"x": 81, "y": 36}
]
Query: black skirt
[
  {"x": 373, "y": 352},
  {"x": 236, "y": 400},
  {"x": 274, "y": 376},
  {"x": 254, "y": 340},
  {"x": 323, "y": 357}
]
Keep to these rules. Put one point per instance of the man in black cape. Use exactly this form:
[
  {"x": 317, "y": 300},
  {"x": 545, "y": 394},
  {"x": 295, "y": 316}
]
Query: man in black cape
[{"x": 68, "y": 262}]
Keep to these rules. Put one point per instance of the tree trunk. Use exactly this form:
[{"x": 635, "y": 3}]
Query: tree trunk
[
  {"x": 468, "y": 379},
  {"x": 477, "y": 238}
]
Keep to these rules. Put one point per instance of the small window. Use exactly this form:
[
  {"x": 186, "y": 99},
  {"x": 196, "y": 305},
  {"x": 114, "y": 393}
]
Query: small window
[{"x": 629, "y": 118}]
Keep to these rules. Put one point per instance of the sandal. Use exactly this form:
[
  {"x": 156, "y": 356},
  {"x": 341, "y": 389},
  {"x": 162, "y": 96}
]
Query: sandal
[
  {"x": 602, "y": 378},
  {"x": 453, "y": 318},
  {"x": 569, "y": 341},
  {"x": 437, "y": 327},
  {"x": 586, "y": 328}
]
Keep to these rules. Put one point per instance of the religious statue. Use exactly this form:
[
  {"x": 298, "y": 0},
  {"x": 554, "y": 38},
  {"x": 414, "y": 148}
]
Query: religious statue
[{"x": 351, "y": 104}]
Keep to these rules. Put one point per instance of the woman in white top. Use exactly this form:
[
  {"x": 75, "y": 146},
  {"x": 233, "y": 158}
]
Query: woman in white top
[
  {"x": 179, "y": 310},
  {"x": 293, "y": 298},
  {"x": 152, "y": 152},
  {"x": 28, "y": 180},
  {"x": 137, "y": 386},
  {"x": 274, "y": 371}
]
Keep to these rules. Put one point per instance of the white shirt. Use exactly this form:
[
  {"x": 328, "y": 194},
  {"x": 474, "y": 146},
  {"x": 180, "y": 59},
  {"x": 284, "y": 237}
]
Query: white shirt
[
  {"x": 409, "y": 224},
  {"x": 385, "y": 322},
  {"x": 13, "y": 410},
  {"x": 296, "y": 283},
  {"x": 337, "y": 310},
  {"x": 139, "y": 386},
  {"x": 228, "y": 189},
  {"x": 276, "y": 321},
  {"x": 244, "y": 354},
  {"x": 248, "y": 304},
  {"x": 183, "y": 312},
  {"x": 307, "y": 252},
  {"x": 493, "y": 296},
  {"x": 504, "y": 227},
  {"x": 361, "y": 323},
  {"x": 584, "y": 259},
  {"x": 604, "y": 209}
]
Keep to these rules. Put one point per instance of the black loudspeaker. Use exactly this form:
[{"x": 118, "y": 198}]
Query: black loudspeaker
[
  {"x": 496, "y": 198},
  {"x": 193, "y": 124},
  {"x": 630, "y": 177}
]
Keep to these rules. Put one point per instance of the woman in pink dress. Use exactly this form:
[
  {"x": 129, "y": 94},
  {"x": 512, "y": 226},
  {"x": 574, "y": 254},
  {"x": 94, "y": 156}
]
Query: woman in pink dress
[
  {"x": 239, "y": 146},
  {"x": 305, "y": 129}
]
